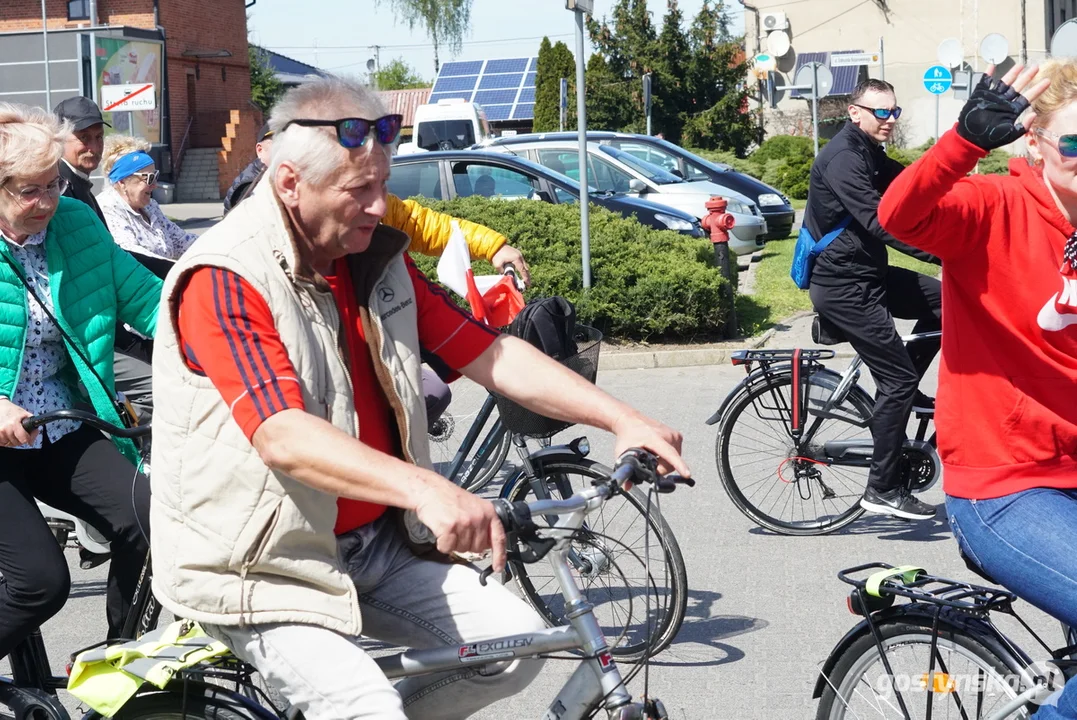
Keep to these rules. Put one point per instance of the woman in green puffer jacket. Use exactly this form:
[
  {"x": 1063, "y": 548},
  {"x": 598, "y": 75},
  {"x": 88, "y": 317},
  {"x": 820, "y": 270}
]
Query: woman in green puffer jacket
[{"x": 54, "y": 251}]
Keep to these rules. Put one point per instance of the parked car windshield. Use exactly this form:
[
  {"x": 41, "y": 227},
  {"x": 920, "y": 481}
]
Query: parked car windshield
[
  {"x": 445, "y": 135},
  {"x": 652, "y": 172}
]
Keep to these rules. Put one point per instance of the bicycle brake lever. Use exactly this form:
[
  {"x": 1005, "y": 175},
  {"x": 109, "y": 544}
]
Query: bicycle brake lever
[{"x": 669, "y": 483}]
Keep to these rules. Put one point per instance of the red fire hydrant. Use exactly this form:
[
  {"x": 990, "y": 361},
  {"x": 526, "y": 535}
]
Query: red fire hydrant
[{"x": 718, "y": 222}]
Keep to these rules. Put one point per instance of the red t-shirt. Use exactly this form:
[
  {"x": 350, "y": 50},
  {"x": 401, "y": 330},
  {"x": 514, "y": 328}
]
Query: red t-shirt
[
  {"x": 1007, "y": 399},
  {"x": 227, "y": 334}
]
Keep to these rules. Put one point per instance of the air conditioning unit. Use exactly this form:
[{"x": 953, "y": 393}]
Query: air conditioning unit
[{"x": 775, "y": 21}]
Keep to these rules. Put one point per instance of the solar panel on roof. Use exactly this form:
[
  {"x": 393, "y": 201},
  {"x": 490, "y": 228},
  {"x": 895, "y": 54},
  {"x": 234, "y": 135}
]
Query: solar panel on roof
[
  {"x": 505, "y": 87},
  {"x": 496, "y": 82},
  {"x": 434, "y": 97},
  {"x": 495, "y": 97},
  {"x": 471, "y": 67},
  {"x": 511, "y": 65},
  {"x": 497, "y": 112},
  {"x": 803, "y": 59},
  {"x": 455, "y": 84}
]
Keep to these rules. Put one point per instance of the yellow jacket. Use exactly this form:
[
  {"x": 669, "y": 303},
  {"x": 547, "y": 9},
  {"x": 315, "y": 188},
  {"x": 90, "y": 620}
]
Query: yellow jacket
[{"x": 429, "y": 230}]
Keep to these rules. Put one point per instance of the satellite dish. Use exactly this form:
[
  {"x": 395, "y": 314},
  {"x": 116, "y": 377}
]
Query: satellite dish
[
  {"x": 1064, "y": 41},
  {"x": 778, "y": 43},
  {"x": 950, "y": 53},
  {"x": 994, "y": 48}
]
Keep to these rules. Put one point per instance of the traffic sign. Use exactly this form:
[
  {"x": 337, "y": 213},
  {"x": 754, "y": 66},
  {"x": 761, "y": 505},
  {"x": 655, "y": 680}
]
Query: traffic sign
[
  {"x": 804, "y": 80},
  {"x": 126, "y": 98},
  {"x": 850, "y": 59},
  {"x": 938, "y": 79}
]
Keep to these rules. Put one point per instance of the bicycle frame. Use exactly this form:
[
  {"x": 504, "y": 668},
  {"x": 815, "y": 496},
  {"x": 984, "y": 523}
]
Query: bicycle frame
[
  {"x": 596, "y": 681},
  {"x": 493, "y": 437}
]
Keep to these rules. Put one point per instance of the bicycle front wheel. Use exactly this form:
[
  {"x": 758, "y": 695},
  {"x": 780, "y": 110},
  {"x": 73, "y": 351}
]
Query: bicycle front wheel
[
  {"x": 609, "y": 561},
  {"x": 764, "y": 474},
  {"x": 970, "y": 681}
]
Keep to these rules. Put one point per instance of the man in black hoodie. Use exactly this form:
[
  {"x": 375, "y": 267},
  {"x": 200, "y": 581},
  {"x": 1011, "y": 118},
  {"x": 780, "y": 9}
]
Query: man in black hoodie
[{"x": 854, "y": 289}]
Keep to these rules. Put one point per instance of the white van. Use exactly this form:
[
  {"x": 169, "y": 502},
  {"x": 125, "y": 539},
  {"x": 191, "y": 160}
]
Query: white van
[{"x": 452, "y": 124}]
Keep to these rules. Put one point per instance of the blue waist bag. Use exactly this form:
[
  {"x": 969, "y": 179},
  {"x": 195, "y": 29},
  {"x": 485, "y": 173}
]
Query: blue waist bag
[{"x": 807, "y": 249}]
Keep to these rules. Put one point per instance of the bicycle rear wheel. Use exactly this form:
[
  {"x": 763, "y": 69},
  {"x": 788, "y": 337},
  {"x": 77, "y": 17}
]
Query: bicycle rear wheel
[
  {"x": 609, "y": 565},
  {"x": 761, "y": 470},
  {"x": 196, "y": 702},
  {"x": 971, "y": 681}
]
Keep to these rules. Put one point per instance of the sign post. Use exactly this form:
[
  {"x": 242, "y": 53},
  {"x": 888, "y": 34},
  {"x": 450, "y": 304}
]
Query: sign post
[
  {"x": 938, "y": 80},
  {"x": 564, "y": 102},
  {"x": 815, "y": 80},
  {"x": 647, "y": 99},
  {"x": 580, "y": 8}
]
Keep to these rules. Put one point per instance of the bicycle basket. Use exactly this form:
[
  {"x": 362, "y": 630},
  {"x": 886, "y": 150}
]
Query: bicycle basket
[{"x": 518, "y": 419}]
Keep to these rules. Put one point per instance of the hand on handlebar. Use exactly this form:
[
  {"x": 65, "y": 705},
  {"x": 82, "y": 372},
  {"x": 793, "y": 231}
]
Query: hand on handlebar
[
  {"x": 508, "y": 255},
  {"x": 462, "y": 522},
  {"x": 12, "y": 433},
  {"x": 639, "y": 431}
]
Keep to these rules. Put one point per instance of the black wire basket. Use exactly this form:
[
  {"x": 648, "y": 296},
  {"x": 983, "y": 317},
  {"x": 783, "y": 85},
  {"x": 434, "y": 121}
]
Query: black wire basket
[{"x": 521, "y": 421}]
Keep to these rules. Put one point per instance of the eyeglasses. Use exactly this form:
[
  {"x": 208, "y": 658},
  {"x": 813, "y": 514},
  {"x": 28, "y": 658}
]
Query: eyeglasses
[
  {"x": 1066, "y": 144},
  {"x": 31, "y": 194},
  {"x": 882, "y": 113},
  {"x": 353, "y": 132},
  {"x": 150, "y": 178}
]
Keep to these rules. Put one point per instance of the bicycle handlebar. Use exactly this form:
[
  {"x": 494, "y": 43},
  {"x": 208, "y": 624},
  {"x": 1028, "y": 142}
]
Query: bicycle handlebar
[
  {"x": 90, "y": 419},
  {"x": 635, "y": 465}
]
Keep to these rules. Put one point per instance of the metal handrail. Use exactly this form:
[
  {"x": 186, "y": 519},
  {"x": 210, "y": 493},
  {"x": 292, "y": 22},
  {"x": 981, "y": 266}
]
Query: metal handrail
[{"x": 177, "y": 163}]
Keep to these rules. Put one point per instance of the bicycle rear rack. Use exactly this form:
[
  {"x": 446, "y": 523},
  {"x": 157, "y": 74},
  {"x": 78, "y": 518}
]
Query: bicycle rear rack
[{"x": 930, "y": 589}]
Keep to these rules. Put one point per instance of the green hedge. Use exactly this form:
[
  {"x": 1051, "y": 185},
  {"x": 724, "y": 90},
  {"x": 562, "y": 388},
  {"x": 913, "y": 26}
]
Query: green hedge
[{"x": 645, "y": 283}]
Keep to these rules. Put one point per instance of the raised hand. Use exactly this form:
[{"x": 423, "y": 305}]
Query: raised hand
[{"x": 990, "y": 118}]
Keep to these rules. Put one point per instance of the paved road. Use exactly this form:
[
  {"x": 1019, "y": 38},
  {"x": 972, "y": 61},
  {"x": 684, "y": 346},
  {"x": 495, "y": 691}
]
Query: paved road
[{"x": 764, "y": 610}]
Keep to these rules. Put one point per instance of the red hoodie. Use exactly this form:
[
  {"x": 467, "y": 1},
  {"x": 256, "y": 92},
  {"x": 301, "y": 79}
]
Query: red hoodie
[{"x": 1007, "y": 399}]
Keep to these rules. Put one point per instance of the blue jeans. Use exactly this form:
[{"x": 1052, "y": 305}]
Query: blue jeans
[{"x": 1026, "y": 541}]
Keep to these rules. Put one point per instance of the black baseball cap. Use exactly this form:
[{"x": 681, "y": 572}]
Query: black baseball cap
[
  {"x": 82, "y": 111},
  {"x": 264, "y": 133}
]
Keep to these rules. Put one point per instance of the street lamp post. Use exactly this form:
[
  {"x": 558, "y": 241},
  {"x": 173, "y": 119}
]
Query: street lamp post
[{"x": 582, "y": 7}]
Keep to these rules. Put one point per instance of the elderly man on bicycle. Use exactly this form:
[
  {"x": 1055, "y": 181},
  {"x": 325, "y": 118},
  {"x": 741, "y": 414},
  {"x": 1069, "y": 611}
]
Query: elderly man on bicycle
[{"x": 291, "y": 473}]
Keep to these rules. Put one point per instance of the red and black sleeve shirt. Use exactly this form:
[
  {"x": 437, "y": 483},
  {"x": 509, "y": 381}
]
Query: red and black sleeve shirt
[{"x": 227, "y": 334}]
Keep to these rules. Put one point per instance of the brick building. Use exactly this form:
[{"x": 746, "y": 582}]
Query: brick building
[{"x": 193, "y": 52}]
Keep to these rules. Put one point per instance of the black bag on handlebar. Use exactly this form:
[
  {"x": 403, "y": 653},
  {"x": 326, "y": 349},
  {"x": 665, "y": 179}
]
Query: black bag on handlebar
[{"x": 550, "y": 325}]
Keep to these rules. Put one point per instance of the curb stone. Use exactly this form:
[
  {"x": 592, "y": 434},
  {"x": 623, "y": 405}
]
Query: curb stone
[{"x": 688, "y": 357}]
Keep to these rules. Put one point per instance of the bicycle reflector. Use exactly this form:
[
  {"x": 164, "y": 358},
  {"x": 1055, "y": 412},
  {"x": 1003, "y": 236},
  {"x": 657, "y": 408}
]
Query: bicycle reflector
[
  {"x": 938, "y": 682},
  {"x": 857, "y": 606}
]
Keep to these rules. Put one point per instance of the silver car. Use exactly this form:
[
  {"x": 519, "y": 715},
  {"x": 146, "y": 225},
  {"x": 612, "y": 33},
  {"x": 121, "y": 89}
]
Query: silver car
[{"x": 611, "y": 169}]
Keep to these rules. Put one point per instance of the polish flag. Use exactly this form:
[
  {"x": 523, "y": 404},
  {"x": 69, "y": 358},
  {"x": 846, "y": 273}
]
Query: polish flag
[{"x": 494, "y": 299}]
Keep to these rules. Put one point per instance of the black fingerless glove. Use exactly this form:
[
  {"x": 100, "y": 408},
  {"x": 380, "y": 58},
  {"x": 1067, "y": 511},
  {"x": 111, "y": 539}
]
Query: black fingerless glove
[{"x": 989, "y": 118}]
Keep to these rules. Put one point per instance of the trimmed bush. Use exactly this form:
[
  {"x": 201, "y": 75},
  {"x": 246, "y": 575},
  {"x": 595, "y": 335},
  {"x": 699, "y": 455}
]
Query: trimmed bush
[{"x": 645, "y": 283}]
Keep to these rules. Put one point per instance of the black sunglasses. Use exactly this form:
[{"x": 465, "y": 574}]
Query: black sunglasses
[
  {"x": 353, "y": 132},
  {"x": 882, "y": 113}
]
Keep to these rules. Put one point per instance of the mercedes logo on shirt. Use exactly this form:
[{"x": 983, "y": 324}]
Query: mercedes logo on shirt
[{"x": 386, "y": 294}]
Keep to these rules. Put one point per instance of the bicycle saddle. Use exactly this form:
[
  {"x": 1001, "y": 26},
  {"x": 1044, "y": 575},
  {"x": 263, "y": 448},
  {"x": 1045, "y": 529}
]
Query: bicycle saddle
[
  {"x": 824, "y": 332},
  {"x": 974, "y": 567}
]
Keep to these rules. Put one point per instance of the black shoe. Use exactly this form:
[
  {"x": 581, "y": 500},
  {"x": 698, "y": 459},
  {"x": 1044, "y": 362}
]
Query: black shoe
[
  {"x": 898, "y": 502},
  {"x": 924, "y": 404},
  {"x": 89, "y": 560}
]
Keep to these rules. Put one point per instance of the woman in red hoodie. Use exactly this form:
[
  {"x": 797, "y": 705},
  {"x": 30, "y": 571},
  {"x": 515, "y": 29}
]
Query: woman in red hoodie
[{"x": 1007, "y": 399}]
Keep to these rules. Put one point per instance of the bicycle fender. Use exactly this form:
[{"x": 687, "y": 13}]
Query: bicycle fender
[
  {"x": 924, "y": 613},
  {"x": 556, "y": 453},
  {"x": 224, "y": 697},
  {"x": 824, "y": 377}
]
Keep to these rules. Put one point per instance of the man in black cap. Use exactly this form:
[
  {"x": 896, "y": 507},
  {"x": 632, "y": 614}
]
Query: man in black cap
[
  {"x": 82, "y": 151},
  {"x": 246, "y": 180}
]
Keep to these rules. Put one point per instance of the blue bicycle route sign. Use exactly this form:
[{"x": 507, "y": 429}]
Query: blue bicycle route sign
[{"x": 938, "y": 79}]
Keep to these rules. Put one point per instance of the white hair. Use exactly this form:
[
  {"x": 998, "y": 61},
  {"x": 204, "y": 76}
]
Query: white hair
[
  {"x": 31, "y": 140},
  {"x": 117, "y": 145},
  {"x": 315, "y": 151}
]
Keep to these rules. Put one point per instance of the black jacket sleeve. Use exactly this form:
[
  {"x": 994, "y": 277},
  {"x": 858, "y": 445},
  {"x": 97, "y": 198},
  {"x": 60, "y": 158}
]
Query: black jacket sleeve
[{"x": 847, "y": 176}]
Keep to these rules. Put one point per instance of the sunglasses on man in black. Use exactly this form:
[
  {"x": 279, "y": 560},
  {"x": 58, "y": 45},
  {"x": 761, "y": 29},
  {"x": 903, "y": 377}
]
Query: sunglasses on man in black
[{"x": 882, "y": 113}]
